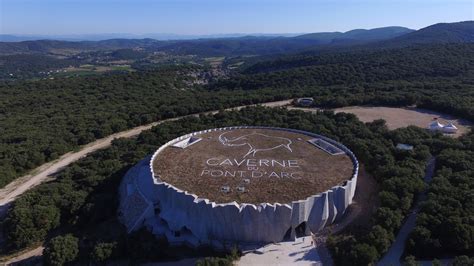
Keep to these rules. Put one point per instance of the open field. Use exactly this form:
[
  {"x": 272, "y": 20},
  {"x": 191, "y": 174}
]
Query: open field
[
  {"x": 403, "y": 117},
  {"x": 93, "y": 69},
  {"x": 215, "y": 61}
]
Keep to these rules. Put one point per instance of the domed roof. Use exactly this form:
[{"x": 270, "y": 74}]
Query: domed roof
[{"x": 436, "y": 125}]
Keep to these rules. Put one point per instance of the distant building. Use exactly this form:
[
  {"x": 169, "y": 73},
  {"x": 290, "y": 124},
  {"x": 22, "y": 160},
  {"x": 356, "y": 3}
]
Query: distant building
[
  {"x": 405, "y": 147},
  {"x": 305, "y": 102},
  {"x": 437, "y": 126},
  {"x": 450, "y": 128}
]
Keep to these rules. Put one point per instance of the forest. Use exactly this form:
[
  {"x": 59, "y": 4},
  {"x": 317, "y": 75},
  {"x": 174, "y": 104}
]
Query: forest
[
  {"x": 22, "y": 66},
  {"x": 445, "y": 224},
  {"x": 80, "y": 206},
  {"x": 43, "y": 119}
]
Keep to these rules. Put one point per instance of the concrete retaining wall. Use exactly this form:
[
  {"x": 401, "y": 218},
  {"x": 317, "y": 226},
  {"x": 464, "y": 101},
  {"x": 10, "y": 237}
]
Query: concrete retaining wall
[{"x": 231, "y": 222}]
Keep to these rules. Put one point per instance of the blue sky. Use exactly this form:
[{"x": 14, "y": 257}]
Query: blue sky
[{"x": 222, "y": 16}]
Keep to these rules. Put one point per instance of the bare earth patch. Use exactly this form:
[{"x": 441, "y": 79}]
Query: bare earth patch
[
  {"x": 403, "y": 117},
  {"x": 364, "y": 204}
]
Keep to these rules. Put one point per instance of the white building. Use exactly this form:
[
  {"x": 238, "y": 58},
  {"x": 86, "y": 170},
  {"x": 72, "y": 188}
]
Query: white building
[
  {"x": 450, "y": 128},
  {"x": 185, "y": 218},
  {"x": 437, "y": 126}
]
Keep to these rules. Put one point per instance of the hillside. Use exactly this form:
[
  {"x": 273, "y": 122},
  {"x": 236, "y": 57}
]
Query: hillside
[
  {"x": 385, "y": 37},
  {"x": 358, "y": 34},
  {"x": 247, "y": 45},
  {"x": 459, "y": 32},
  {"x": 54, "y": 46}
]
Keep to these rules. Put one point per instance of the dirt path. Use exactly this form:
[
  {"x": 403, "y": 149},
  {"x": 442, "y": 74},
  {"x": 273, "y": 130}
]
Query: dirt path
[
  {"x": 45, "y": 171},
  {"x": 29, "y": 257}
]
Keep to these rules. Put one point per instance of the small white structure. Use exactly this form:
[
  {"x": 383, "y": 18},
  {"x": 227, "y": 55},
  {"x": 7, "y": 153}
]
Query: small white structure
[
  {"x": 305, "y": 101},
  {"x": 404, "y": 147},
  {"x": 183, "y": 144},
  {"x": 450, "y": 128},
  {"x": 437, "y": 126}
]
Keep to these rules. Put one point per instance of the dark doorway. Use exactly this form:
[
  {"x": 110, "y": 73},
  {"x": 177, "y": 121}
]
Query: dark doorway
[{"x": 300, "y": 230}]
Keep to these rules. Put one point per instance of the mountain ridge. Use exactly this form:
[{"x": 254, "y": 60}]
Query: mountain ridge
[{"x": 384, "y": 37}]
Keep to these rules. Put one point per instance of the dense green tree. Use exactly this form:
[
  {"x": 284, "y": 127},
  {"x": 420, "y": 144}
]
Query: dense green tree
[
  {"x": 61, "y": 250},
  {"x": 462, "y": 261},
  {"x": 364, "y": 254},
  {"x": 410, "y": 261},
  {"x": 104, "y": 252},
  {"x": 444, "y": 224}
]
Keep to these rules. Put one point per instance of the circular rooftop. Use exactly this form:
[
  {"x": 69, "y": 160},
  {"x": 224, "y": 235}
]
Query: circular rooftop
[{"x": 253, "y": 165}]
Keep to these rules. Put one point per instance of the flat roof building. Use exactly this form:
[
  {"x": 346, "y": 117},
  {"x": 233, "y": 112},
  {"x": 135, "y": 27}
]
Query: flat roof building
[{"x": 240, "y": 185}]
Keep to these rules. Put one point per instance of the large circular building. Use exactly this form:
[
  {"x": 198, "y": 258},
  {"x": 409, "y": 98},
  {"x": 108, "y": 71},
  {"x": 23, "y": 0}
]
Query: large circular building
[{"x": 239, "y": 185}]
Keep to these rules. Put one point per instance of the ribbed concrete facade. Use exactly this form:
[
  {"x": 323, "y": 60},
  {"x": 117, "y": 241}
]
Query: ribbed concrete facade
[{"x": 185, "y": 218}]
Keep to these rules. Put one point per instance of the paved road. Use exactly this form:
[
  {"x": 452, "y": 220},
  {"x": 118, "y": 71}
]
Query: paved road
[
  {"x": 395, "y": 252},
  {"x": 45, "y": 171}
]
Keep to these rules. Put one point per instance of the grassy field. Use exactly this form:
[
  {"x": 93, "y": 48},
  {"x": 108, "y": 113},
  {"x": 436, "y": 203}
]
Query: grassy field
[
  {"x": 93, "y": 69},
  {"x": 215, "y": 61}
]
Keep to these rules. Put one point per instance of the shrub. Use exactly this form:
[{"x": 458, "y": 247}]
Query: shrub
[
  {"x": 61, "y": 250},
  {"x": 104, "y": 251}
]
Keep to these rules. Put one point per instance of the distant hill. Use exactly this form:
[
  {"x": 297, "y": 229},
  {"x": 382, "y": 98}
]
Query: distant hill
[
  {"x": 243, "y": 45},
  {"x": 386, "y": 37},
  {"x": 358, "y": 34},
  {"x": 459, "y": 32},
  {"x": 454, "y": 35},
  {"x": 108, "y": 36},
  {"x": 52, "y": 46}
]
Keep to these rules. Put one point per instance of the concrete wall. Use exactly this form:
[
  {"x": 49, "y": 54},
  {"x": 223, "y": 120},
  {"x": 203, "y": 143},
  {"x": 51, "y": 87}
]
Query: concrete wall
[{"x": 231, "y": 222}]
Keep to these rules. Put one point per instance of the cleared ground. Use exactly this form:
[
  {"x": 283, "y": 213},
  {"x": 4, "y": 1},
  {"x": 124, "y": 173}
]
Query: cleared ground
[
  {"x": 403, "y": 117},
  {"x": 278, "y": 175}
]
